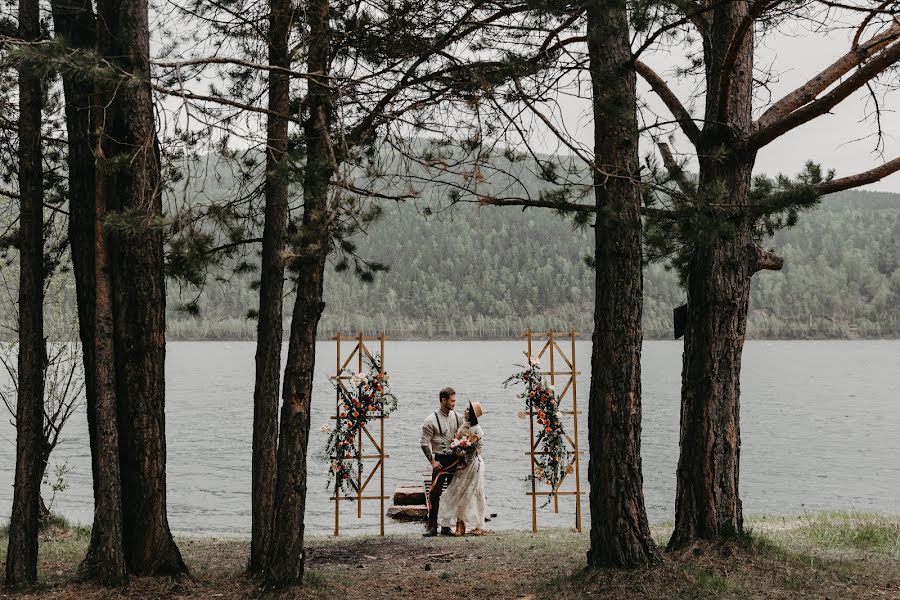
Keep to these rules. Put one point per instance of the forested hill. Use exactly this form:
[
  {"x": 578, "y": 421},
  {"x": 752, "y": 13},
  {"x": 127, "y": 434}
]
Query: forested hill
[{"x": 491, "y": 272}]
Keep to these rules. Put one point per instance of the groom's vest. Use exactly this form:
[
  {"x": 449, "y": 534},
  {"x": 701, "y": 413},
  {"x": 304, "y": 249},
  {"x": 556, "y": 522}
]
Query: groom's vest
[{"x": 437, "y": 430}]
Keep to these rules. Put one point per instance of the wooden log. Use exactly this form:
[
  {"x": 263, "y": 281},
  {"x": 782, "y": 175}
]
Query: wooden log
[
  {"x": 407, "y": 494},
  {"x": 417, "y": 512}
]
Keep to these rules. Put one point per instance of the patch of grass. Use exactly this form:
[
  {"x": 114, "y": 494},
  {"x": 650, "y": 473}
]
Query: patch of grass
[
  {"x": 709, "y": 584},
  {"x": 853, "y": 531}
]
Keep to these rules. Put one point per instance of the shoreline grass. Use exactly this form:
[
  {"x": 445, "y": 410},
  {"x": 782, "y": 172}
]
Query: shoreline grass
[{"x": 830, "y": 554}]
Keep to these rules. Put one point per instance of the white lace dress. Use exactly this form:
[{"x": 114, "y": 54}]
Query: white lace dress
[{"x": 463, "y": 500}]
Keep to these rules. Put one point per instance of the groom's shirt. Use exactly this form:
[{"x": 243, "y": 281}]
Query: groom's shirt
[{"x": 438, "y": 429}]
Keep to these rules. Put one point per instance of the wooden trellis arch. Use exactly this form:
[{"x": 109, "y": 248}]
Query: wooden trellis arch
[
  {"x": 562, "y": 375},
  {"x": 371, "y": 450}
]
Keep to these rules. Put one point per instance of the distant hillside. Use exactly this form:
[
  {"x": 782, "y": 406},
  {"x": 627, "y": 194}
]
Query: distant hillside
[{"x": 490, "y": 272}]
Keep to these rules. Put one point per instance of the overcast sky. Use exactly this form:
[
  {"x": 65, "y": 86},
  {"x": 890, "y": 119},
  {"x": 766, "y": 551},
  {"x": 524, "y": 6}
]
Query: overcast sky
[{"x": 842, "y": 140}]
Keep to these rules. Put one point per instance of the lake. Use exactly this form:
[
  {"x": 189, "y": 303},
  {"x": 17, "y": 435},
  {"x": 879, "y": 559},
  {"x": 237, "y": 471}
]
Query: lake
[{"x": 820, "y": 430}]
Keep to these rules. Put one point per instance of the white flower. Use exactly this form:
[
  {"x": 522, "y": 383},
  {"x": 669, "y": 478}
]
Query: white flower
[
  {"x": 335, "y": 466},
  {"x": 325, "y": 428},
  {"x": 356, "y": 380},
  {"x": 533, "y": 361},
  {"x": 552, "y": 388}
]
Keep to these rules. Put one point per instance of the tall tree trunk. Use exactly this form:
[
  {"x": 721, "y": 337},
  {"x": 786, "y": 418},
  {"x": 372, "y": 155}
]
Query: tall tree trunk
[
  {"x": 74, "y": 22},
  {"x": 620, "y": 533},
  {"x": 286, "y": 558},
  {"x": 708, "y": 504},
  {"x": 132, "y": 187},
  {"x": 269, "y": 330},
  {"x": 22, "y": 553}
]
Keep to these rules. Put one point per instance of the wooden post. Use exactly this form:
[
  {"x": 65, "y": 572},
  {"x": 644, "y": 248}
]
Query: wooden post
[
  {"x": 534, "y": 527},
  {"x": 383, "y": 463},
  {"x": 575, "y": 432},
  {"x": 337, "y": 414},
  {"x": 359, "y": 446}
]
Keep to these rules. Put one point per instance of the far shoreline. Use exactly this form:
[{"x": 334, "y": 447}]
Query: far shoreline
[{"x": 580, "y": 338}]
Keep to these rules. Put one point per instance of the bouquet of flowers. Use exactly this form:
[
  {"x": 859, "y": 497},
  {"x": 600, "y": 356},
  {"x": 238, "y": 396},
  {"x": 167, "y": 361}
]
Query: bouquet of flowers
[
  {"x": 368, "y": 396},
  {"x": 466, "y": 449},
  {"x": 554, "y": 461}
]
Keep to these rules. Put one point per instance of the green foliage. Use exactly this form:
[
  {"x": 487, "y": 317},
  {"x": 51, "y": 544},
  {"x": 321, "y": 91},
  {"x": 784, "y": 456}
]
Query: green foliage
[
  {"x": 475, "y": 272},
  {"x": 855, "y": 531}
]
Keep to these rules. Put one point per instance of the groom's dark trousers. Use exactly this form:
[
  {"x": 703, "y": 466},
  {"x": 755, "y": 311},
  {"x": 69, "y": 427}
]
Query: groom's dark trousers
[{"x": 437, "y": 487}]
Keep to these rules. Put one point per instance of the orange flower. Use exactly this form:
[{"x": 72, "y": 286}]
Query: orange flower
[{"x": 548, "y": 429}]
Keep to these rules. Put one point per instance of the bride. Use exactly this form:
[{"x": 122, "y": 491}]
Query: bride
[{"x": 463, "y": 501}]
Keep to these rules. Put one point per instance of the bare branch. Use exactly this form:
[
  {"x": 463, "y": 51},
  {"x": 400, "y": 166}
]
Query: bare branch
[
  {"x": 763, "y": 260},
  {"x": 864, "y": 178},
  {"x": 671, "y": 101},
  {"x": 733, "y": 53},
  {"x": 217, "y": 60},
  {"x": 775, "y": 127},
  {"x": 675, "y": 171},
  {"x": 188, "y": 95},
  {"x": 822, "y": 81}
]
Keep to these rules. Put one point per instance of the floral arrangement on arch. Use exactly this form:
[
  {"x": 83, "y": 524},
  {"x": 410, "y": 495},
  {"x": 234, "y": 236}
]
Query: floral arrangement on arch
[
  {"x": 368, "y": 396},
  {"x": 553, "y": 462}
]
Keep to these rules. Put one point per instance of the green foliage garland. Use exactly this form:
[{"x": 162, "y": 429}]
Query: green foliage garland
[
  {"x": 368, "y": 396},
  {"x": 552, "y": 463}
]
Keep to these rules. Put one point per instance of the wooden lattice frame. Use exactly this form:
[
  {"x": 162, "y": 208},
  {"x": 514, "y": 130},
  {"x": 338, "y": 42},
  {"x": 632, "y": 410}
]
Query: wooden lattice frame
[
  {"x": 360, "y": 352},
  {"x": 569, "y": 389}
]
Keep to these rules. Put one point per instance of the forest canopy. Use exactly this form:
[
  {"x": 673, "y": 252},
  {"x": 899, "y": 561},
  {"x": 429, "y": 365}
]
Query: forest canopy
[{"x": 483, "y": 272}]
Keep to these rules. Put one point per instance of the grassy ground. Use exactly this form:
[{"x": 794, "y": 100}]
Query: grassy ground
[{"x": 830, "y": 555}]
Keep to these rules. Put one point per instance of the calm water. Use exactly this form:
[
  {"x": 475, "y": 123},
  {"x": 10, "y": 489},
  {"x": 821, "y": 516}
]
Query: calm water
[{"x": 820, "y": 431}]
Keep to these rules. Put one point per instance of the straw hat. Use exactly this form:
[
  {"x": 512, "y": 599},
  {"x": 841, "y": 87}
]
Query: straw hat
[{"x": 476, "y": 406}]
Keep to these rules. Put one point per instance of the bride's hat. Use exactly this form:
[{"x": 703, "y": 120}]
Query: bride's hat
[{"x": 476, "y": 406}]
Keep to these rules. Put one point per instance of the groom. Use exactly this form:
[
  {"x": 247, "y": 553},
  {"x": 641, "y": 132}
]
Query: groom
[{"x": 437, "y": 431}]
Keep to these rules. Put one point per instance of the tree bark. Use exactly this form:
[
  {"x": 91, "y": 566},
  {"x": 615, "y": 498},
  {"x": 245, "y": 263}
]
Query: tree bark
[
  {"x": 269, "y": 329},
  {"x": 708, "y": 504},
  {"x": 286, "y": 557},
  {"x": 75, "y": 24},
  {"x": 22, "y": 553},
  {"x": 132, "y": 187},
  {"x": 620, "y": 533}
]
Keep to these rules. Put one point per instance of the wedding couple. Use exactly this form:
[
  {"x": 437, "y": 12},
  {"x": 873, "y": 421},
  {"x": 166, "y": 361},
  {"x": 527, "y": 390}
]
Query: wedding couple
[{"x": 452, "y": 444}]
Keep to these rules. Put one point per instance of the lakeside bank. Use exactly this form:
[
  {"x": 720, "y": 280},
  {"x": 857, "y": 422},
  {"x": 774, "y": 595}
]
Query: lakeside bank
[{"x": 826, "y": 555}]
